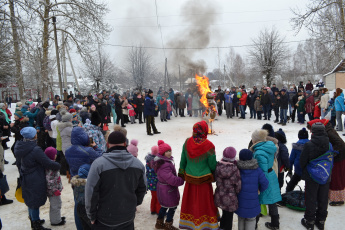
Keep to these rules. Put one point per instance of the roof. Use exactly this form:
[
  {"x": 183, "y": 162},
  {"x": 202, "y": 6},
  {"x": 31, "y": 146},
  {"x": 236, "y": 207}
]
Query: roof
[{"x": 339, "y": 68}]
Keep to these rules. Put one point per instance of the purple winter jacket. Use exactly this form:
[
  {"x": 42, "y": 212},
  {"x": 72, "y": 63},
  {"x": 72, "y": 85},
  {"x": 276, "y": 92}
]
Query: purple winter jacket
[
  {"x": 228, "y": 181},
  {"x": 168, "y": 182}
]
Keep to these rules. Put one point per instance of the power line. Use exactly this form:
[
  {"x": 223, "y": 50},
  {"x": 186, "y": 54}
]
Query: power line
[
  {"x": 179, "y": 15},
  {"x": 205, "y": 25},
  {"x": 196, "y": 48}
]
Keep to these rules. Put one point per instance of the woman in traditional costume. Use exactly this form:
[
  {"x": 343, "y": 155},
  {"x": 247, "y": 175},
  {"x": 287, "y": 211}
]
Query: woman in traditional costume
[{"x": 198, "y": 162}]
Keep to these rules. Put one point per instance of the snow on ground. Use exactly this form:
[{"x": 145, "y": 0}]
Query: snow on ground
[{"x": 233, "y": 132}]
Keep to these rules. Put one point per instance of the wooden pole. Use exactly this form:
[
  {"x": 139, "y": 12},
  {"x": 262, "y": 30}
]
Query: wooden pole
[
  {"x": 57, "y": 56},
  {"x": 70, "y": 62},
  {"x": 64, "y": 60},
  {"x": 179, "y": 75}
]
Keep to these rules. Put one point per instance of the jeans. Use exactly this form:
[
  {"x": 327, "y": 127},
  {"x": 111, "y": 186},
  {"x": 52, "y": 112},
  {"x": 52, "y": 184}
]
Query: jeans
[
  {"x": 339, "y": 121},
  {"x": 252, "y": 112},
  {"x": 283, "y": 115},
  {"x": 300, "y": 117},
  {"x": 76, "y": 217},
  {"x": 323, "y": 114},
  {"x": 267, "y": 112},
  {"x": 290, "y": 110},
  {"x": 170, "y": 214},
  {"x": 243, "y": 112},
  {"x": 34, "y": 214}
]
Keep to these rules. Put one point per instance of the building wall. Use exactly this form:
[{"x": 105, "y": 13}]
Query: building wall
[
  {"x": 340, "y": 80},
  {"x": 330, "y": 81}
]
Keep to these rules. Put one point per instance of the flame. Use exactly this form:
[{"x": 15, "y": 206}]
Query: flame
[{"x": 204, "y": 89}]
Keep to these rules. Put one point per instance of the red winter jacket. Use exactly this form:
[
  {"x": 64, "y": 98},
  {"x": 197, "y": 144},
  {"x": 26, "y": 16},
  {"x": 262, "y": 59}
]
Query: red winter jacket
[
  {"x": 309, "y": 104},
  {"x": 317, "y": 110},
  {"x": 243, "y": 99}
]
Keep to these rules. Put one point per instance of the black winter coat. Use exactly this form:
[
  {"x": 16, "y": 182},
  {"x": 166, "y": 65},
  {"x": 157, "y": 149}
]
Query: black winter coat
[
  {"x": 266, "y": 99},
  {"x": 18, "y": 125},
  {"x": 284, "y": 101},
  {"x": 318, "y": 145},
  {"x": 251, "y": 99},
  {"x": 32, "y": 163},
  {"x": 139, "y": 102},
  {"x": 40, "y": 117}
]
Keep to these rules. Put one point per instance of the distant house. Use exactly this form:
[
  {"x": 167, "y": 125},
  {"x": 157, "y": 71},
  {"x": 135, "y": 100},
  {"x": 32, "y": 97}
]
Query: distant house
[
  {"x": 336, "y": 78},
  {"x": 13, "y": 91}
]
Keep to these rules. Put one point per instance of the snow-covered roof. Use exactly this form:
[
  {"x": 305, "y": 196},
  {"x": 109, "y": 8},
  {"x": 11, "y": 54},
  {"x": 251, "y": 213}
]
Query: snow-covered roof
[{"x": 338, "y": 68}]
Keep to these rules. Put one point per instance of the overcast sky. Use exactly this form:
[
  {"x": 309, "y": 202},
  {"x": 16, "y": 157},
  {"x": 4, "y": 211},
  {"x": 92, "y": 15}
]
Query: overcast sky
[{"x": 230, "y": 23}]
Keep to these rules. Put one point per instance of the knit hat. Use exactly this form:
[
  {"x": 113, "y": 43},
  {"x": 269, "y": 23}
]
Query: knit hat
[
  {"x": 66, "y": 116},
  {"x": 32, "y": 105},
  {"x": 303, "y": 134},
  {"x": 269, "y": 129},
  {"x": 54, "y": 112},
  {"x": 150, "y": 91},
  {"x": 19, "y": 114},
  {"x": 96, "y": 118},
  {"x": 51, "y": 153},
  {"x": 308, "y": 92},
  {"x": 259, "y": 135},
  {"x": 163, "y": 147},
  {"x": 132, "y": 148},
  {"x": 245, "y": 155},
  {"x": 83, "y": 171},
  {"x": 116, "y": 137},
  {"x": 72, "y": 111},
  {"x": 280, "y": 135},
  {"x": 28, "y": 132},
  {"x": 317, "y": 128},
  {"x": 154, "y": 150},
  {"x": 229, "y": 153}
]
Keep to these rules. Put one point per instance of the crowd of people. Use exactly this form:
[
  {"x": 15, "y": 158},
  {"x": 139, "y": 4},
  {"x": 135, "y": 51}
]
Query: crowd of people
[{"x": 71, "y": 137}]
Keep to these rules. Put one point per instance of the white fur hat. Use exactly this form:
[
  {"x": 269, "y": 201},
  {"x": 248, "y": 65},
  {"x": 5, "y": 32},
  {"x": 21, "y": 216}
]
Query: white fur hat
[{"x": 259, "y": 135}]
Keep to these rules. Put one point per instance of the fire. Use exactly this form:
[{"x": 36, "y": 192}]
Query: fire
[{"x": 206, "y": 95}]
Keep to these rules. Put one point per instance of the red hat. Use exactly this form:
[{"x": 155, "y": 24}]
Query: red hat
[
  {"x": 51, "y": 153},
  {"x": 154, "y": 150},
  {"x": 72, "y": 111},
  {"x": 163, "y": 147}
]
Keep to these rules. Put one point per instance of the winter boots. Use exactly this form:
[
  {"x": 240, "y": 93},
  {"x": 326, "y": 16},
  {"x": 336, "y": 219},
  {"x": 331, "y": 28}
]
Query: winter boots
[
  {"x": 42, "y": 221},
  {"x": 160, "y": 224},
  {"x": 274, "y": 225},
  {"x": 308, "y": 225},
  {"x": 320, "y": 225},
  {"x": 36, "y": 225},
  {"x": 169, "y": 226}
]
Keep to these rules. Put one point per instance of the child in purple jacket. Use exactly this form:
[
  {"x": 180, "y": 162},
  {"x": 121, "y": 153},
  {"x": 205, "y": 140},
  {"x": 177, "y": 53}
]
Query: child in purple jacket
[
  {"x": 228, "y": 181},
  {"x": 167, "y": 186}
]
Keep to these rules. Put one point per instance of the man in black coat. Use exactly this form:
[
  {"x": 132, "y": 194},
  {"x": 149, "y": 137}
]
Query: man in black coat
[
  {"x": 266, "y": 104},
  {"x": 118, "y": 109},
  {"x": 41, "y": 131},
  {"x": 294, "y": 101},
  {"x": 316, "y": 195},
  {"x": 283, "y": 101}
]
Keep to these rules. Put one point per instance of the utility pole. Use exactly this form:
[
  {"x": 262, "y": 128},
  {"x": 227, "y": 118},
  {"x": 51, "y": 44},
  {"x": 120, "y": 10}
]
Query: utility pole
[
  {"x": 219, "y": 67},
  {"x": 224, "y": 78},
  {"x": 64, "y": 60},
  {"x": 70, "y": 62},
  {"x": 179, "y": 75},
  {"x": 165, "y": 73},
  {"x": 57, "y": 55}
]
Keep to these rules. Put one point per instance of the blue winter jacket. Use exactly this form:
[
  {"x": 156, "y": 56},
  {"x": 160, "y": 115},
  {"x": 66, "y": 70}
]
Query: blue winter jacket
[
  {"x": 283, "y": 156},
  {"x": 228, "y": 98},
  {"x": 150, "y": 173},
  {"x": 79, "y": 154},
  {"x": 31, "y": 116},
  {"x": 339, "y": 103},
  {"x": 253, "y": 180},
  {"x": 295, "y": 155},
  {"x": 149, "y": 107},
  {"x": 264, "y": 154}
]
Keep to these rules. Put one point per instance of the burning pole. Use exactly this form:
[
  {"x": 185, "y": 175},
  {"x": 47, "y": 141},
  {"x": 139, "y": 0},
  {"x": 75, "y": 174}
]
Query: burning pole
[{"x": 207, "y": 99}]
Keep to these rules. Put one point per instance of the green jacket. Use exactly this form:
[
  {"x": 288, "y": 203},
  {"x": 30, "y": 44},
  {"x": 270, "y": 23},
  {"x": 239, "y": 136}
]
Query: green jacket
[
  {"x": 58, "y": 141},
  {"x": 301, "y": 105},
  {"x": 204, "y": 165}
]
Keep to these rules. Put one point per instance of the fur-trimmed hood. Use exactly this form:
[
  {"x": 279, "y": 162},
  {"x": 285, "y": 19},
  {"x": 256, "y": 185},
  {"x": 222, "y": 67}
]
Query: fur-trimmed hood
[
  {"x": 62, "y": 125},
  {"x": 77, "y": 181},
  {"x": 251, "y": 164}
]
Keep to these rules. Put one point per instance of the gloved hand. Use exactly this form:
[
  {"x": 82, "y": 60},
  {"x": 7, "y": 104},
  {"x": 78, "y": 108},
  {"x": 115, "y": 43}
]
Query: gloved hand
[{"x": 57, "y": 193}]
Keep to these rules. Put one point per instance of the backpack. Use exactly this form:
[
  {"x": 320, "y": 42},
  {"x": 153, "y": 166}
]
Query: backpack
[
  {"x": 46, "y": 123},
  {"x": 320, "y": 168}
]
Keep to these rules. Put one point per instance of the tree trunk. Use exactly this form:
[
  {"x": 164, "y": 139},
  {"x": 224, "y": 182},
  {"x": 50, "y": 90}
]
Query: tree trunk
[
  {"x": 17, "y": 57},
  {"x": 342, "y": 22},
  {"x": 44, "y": 64}
]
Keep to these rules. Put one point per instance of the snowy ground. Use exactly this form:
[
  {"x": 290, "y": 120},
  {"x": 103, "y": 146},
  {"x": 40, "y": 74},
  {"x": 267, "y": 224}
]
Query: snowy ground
[{"x": 233, "y": 132}]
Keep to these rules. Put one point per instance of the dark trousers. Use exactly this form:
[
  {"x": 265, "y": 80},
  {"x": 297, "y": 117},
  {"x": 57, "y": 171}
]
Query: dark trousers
[
  {"x": 252, "y": 112},
  {"x": 84, "y": 220},
  {"x": 126, "y": 226},
  {"x": 41, "y": 139},
  {"x": 170, "y": 214},
  {"x": 293, "y": 182},
  {"x": 140, "y": 116},
  {"x": 333, "y": 121},
  {"x": 220, "y": 109},
  {"x": 281, "y": 179},
  {"x": 267, "y": 111},
  {"x": 259, "y": 114},
  {"x": 316, "y": 201},
  {"x": 226, "y": 220},
  {"x": 243, "y": 111},
  {"x": 119, "y": 117},
  {"x": 181, "y": 112},
  {"x": 150, "y": 122},
  {"x": 310, "y": 116},
  {"x": 300, "y": 117},
  {"x": 235, "y": 109},
  {"x": 60, "y": 158},
  {"x": 293, "y": 115},
  {"x": 276, "y": 113}
]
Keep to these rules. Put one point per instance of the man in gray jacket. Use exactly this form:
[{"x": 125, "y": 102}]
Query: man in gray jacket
[{"x": 115, "y": 186}]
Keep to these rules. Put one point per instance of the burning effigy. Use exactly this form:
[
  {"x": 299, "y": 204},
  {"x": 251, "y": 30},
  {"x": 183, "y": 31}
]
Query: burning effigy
[{"x": 207, "y": 99}]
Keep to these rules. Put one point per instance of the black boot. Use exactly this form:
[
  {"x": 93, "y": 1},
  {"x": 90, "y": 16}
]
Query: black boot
[
  {"x": 274, "y": 225},
  {"x": 320, "y": 225},
  {"x": 5, "y": 201},
  {"x": 41, "y": 221},
  {"x": 38, "y": 226},
  {"x": 307, "y": 225}
]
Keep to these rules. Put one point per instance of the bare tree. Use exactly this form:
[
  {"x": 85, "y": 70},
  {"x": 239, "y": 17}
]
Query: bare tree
[
  {"x": 100, "y": 69},
  {"x": 268, "y": 53},
  {"x": 139, "y": 65},
  {"x": 325, "y": 20}
]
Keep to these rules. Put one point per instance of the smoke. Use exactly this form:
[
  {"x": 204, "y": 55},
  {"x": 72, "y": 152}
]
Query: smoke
[{"x": 199, "y": 15}]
